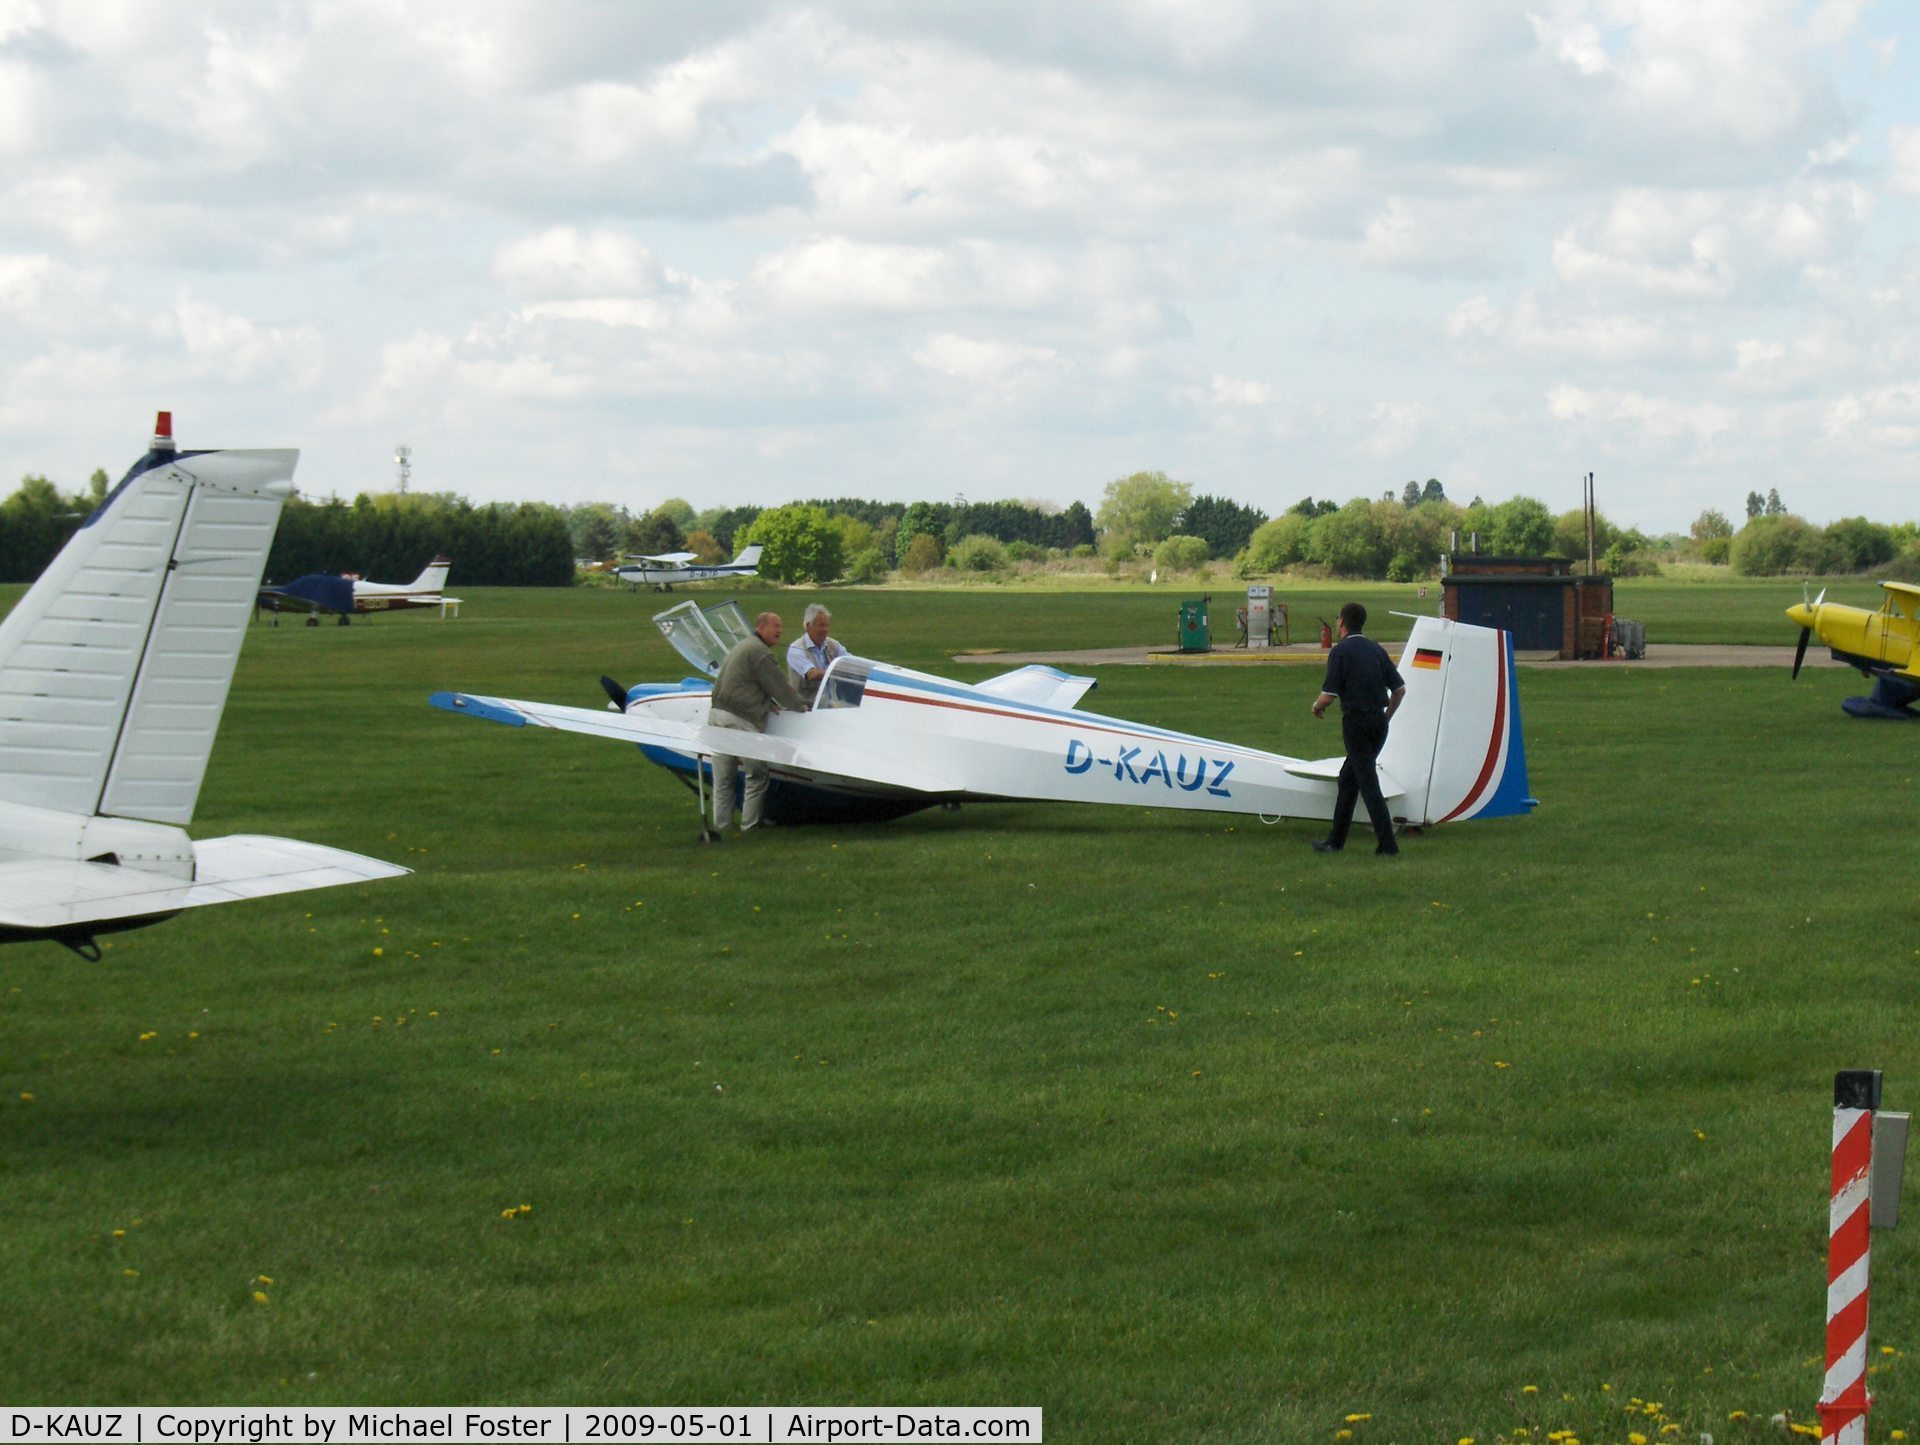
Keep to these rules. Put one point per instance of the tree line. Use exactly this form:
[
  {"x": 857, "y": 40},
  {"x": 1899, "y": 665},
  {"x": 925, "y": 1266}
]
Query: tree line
[
  {"x": 1145, "y": 517},
  {"x": 388, "y": 536}
]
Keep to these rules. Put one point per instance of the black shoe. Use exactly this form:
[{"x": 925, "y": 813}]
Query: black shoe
[
  {"x": 1386, "y": 852},
  {"x": 1325, "y": 845}
]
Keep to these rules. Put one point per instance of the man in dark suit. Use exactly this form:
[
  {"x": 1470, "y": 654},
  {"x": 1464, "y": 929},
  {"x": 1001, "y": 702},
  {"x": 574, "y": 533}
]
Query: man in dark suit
[{"x": 1368, "y": 687}]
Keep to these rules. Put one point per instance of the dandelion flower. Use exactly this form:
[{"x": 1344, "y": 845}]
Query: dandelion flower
[
  {"x": 26, "y": 1098},
  {"x": 259, "y": 1296}
]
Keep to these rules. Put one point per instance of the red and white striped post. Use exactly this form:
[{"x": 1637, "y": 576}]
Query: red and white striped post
[{"x": 1844, "y": 1401}]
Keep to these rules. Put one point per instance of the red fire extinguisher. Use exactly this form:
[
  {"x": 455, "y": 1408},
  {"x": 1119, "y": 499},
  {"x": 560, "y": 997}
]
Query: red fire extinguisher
[{"x": 1326, "y": 634}]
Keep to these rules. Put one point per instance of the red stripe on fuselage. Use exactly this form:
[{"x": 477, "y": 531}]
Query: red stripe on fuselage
[
  {"x": 1082, "y": 723},
  {"x": 1493, "y": 743}
]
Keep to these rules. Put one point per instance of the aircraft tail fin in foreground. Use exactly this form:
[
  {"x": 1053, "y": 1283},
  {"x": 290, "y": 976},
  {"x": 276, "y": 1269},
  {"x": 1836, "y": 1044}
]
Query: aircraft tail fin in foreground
[
  {"x": 114, "y": 670},
  {"x": 1455, "y": 745},
  {"x": 114, "y": 667}
]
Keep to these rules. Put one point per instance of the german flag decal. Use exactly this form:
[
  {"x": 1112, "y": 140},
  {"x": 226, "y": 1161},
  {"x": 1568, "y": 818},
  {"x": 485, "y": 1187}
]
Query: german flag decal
[{"x": 1427, "y": 657}]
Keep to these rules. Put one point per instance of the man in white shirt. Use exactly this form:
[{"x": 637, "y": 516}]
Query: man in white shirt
[{"x": 813, "y": 652}]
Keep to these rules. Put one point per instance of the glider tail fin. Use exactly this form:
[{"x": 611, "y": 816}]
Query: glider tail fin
[
  {"x": 1455, "y": 745},
  {"x": 114, "y": 667}
]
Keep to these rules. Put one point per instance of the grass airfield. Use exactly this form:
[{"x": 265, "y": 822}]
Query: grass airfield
[{"x": 1159, "y": 1121}]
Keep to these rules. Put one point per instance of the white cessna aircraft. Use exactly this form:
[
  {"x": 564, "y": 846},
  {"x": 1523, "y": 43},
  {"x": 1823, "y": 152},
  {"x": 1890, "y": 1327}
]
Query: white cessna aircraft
[
  {"x": 114, "y": 670},
  {"x": 885, "y": 741},
  {"x": 671, "y": 567},
  {"x": 347, "y": 594}
]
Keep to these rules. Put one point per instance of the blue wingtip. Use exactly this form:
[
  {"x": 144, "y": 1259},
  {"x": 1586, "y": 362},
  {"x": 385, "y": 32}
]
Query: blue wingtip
[{"x": 461, "y": 702}]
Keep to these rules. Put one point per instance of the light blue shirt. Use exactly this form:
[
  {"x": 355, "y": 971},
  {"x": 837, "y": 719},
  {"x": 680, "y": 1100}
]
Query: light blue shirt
[{"x": 802, "y": 656}]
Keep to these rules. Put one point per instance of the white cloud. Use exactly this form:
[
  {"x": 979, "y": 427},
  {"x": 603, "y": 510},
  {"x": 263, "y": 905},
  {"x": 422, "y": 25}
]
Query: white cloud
[
  {"x": 1394, "y": 428},
  {"x": 1234, "y": 391},
  {"x": 566, "y": 261},
  {"x": 1887, "y": 417},
  {"x": 1903, "y": 160},
  {"x": 971, "y": 359},
  {"x": 1658, "y": 417}
]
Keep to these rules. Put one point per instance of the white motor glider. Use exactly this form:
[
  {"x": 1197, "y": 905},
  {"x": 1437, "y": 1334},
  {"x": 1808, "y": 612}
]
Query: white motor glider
[
  {"x": 114, "y": 670},
  {"x": 885, "y": 741},
  {"x": 672, "y": 567}
]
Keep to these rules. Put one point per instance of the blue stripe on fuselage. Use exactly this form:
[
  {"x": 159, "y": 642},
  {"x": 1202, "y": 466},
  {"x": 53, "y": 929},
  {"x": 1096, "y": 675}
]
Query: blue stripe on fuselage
[{"x": 991, "y": 702}]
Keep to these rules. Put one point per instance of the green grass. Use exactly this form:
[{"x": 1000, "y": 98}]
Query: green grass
[{"x": 1159, "y": 1121}]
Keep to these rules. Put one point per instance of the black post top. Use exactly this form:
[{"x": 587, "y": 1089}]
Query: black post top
[{"x": 1856, "y": 1089}]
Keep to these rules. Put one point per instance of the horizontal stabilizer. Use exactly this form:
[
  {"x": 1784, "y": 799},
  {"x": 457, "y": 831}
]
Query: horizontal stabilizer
[
  {"x": 820, "y": 760},
  {"x": 50, "y": 894},
  {"x": 1042, "y": 686},
  {"x": 1326, "y": 769}
]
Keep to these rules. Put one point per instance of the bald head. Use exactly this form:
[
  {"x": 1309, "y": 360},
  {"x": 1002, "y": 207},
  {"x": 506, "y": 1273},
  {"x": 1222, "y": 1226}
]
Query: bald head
[{"x": 769, "y": 626}]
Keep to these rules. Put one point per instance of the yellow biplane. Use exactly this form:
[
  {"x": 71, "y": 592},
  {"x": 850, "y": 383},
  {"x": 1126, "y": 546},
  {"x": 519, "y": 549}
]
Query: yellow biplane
[{"x": 1882, "y": 644}]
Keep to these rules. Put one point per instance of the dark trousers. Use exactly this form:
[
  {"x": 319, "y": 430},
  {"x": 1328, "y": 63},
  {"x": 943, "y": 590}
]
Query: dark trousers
[{"x": 1364, "y": 734}]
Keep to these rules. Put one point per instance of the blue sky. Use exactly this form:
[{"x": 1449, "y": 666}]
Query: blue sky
[{"x": 747, "y": 253}]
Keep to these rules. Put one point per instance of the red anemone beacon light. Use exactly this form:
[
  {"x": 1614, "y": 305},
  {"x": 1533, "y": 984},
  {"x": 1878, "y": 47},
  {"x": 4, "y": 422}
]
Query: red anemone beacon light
[{"x": 163, "y": 431}]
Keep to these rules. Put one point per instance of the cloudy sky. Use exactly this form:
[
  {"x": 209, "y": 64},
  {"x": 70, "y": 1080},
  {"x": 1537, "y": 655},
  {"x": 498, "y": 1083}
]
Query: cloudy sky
[{"x": 752, "y": 252}]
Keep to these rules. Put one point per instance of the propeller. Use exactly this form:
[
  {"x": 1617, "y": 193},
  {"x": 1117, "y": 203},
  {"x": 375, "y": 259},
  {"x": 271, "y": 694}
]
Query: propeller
[
  {"x": 618, "y": 694},
  {"x": 1806, "y": 633}
]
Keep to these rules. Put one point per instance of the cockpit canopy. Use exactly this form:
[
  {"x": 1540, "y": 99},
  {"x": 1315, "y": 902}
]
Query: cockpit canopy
[
  {"x": 703, "y": 635},
  {"x": 845, "y": 683}
]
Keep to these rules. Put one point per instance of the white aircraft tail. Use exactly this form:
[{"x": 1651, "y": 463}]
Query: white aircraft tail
[
  {"x": 114, "y": 670},
  {"x": 1455, "y": 746},
  {"x": 749, "y": 557},
  {"x": 114, "y": 667},
  {"x": 434, "y": 577}
]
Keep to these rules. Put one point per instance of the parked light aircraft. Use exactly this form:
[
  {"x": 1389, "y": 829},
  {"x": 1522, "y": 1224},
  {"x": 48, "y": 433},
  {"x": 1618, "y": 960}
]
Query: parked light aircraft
[
  {"x": 1879, "y": 643},
  {"x": 347, "y": 594},
  {"x": 114, "y": 670},
  {"x": 663, "y": 571},
  {"x": 884, "y": 741}
]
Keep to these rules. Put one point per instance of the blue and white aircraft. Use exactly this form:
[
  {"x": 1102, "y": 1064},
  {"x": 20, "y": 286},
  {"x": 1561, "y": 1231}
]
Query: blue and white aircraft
[
  {"x": 663, "y": 571},
  {"x": 114, "y": 671},
  {"x": 883, "y": 741}
]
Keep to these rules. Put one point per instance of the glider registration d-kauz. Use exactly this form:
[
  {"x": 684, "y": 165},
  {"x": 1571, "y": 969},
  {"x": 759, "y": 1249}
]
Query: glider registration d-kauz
[
  {"x": 884, "y": 741},
  {"x": 114, "y": 671}
]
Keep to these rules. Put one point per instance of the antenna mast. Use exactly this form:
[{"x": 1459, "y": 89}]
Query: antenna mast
[{"x": 403, "y": 459}]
